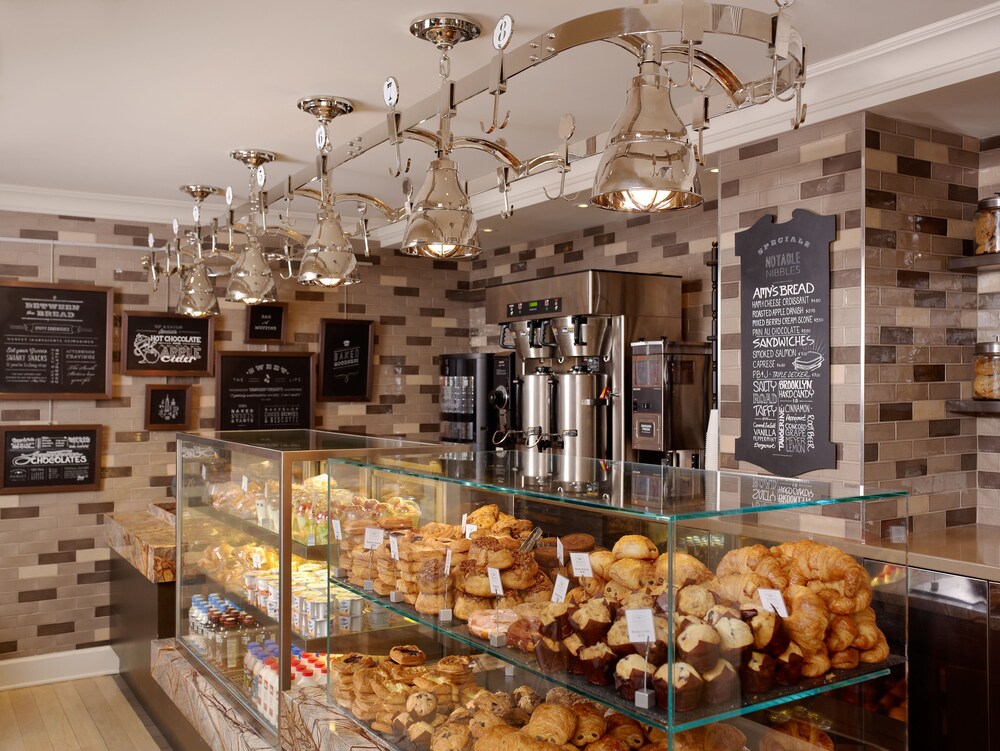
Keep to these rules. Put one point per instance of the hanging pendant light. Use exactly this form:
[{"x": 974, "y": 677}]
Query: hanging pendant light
[
  {"x": 441, "y": 224},
  {"x": 197, "y": 298},
  {"x": 648, "y": 165},
  {"x": 251, "y": 281},
  {"x": 328, "y": 259}
]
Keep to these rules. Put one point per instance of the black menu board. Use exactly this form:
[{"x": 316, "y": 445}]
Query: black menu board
[
  {"x": 785, "y": 343},
  {"x": 50, "y": 458},
  {"x": 163, "y": 344},
  {"x": 346, "y": 352},
  {"x": 264, "y": 390},
  {"x": 266, "y": 324},
  {"x": 55, "y": 341}
]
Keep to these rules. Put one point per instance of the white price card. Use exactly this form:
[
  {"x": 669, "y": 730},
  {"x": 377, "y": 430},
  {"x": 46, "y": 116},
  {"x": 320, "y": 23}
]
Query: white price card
[
  {"x": 447, "y": 562},
  {"x": 469, "y": 529},
  {"x": 772, "y": 601},
  {"x": 465, "y": 518},
  {"x": 560, "y": 553},
  {"x": 394, "y": 547},
  {"x": 897, "y": 534},
  {"x": 245, "y": 483},
  {"x": 580, "y": 563},
  {"x": 640, "y": 626},
  {"x": 256, "y": 560},
  {"x": 338, "y": 532},
  {"x": 496, "y": 586},
  {"x": 204, "y": 472},
  {"x": 560, "y": 589},
  {"x": 373, "y": 537}
]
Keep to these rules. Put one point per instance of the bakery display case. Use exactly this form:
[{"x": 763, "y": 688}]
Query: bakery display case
[
  {"x": 629, "y": 606},
  {"x": 253, "y": 512}
]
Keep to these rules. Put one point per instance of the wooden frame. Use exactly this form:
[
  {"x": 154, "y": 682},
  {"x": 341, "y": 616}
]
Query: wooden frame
[
  {"x": 181, "y": 392},
  {"x": 346, "y": 354},
  {"x": 18, "y": 331},
  {"x": 256, "y": 328},
  {"x": 151, "y": 361},
  {"x": 266, "y": 363},
  {"x": 14, "y": 478}
]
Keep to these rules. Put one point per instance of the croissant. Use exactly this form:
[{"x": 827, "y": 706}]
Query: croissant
[
  {"x": 607, "y": 743},
  {"x": 842, "y": 632},
  {"x": 756, "y": 559},
  {"x": 738, "y": 588},
  {"x": 686, "y": 569},
  {"x": 807, "y": 618},
  {"x": 868, "y": 632},
  {"x": 716, "y": 737},
  {"x": 845, "y": 659},
  {"x": 589, "y": 726},
  {"x": 552, "y": 723},
  {"x": 630, "y": 735},
  {"x": 827, "y": 563},
  {"x": 796, "y": 735},
  {"x": 832, "y": 594},
  {"x": 816, "y": 664},
  {"x": 491, "y": 738},
  {"x": 877, "y": 653}
]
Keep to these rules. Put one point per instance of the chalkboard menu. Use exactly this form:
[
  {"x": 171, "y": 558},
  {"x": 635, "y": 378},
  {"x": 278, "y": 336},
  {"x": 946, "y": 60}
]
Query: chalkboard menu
[
  {"x": 265, "y": 324},
  {"x": 55, "y": 341},
  {"x": 163, "y": 344},
  {"x": 264, "y": 390},
  {"x": 345, "y": 360},
  {"x": 50, "y": 458},
  {"x": 785, "y": 345}
]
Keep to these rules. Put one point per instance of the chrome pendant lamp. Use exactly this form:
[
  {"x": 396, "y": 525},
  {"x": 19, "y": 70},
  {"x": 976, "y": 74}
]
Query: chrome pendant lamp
[
  {"x": 197, "y": 298},
  {"x": 251, "y": 281},
  {"x": 649, "y": 165}
]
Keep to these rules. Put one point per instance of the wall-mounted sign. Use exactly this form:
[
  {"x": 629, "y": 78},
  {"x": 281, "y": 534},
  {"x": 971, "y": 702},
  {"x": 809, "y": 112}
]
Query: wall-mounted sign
[
  {"x": 162, "y": 344},
  {"x": 55, "y": 340},
  {"x": 264, "y": 390},
  {"x": 168, "y": 406},
  {"x": 50, "y": 458},
  {"x": 785, "y": 343},
  {"x": 346, "y": 353},
  {"x": 266, "y": 324}
]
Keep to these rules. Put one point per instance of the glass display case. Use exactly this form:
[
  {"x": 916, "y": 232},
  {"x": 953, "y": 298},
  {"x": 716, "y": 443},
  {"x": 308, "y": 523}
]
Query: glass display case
[
  {"x": 612, "y": 606},
  {"x": 253, "y": 512}
]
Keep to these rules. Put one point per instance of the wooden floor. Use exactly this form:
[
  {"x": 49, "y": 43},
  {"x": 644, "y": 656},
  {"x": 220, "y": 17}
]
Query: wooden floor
[{"x": 90, "y": 714}]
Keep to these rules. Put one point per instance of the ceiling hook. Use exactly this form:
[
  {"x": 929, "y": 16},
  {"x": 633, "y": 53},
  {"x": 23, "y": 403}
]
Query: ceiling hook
[
  {"x": 504, "y": 185},
  {"x": 567, "y": 127},
  {"x": 498, "y": 80}
]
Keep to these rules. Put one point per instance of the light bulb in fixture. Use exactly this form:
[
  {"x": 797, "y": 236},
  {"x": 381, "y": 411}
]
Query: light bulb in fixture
[
  {"x": 251, "y": 281},
  {"x": 328, "y": 259},
  {"x": 197, "y": 298},
  {"x": 441, "y": 224}
]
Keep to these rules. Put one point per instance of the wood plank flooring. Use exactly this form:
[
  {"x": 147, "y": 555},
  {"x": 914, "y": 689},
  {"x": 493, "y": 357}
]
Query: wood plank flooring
[{"x": 90, "y": 714}]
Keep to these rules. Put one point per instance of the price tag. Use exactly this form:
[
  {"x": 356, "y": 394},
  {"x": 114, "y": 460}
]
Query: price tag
[
  {"x": 640, "y": 626},
  {"x": 373, "y": 537},
  {"x": 261, "y": 176},
  {"x": 560, "y": 589},
  {"x": 447, "y": 562},
  {"x": 338, "y": 532},
  {"x": 256, "y": 560},
  {"x": 310, "y": 540},
  {"x": 394, "y": 547},
  {"x": 469, "y": 529},
  {"x": 772, "y": 601},
  {"x": 465, "y": 518},
  {"x": 204, "y": 472},
  {"x": 897, "y": 534},
  {"x": 560, "y": 553},
  {"x": 496, "y": 586},
  {"x": 244, "y": 483},
  {"x": 580, "y": 563}
]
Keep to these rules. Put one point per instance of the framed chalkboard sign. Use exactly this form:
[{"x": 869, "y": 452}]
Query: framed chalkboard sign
[
  {"x": 163, "y": 344},
  {"x": 266, "y": 324},
  {"x": 55, "y": 340},
  {"x": 785, "y": 343},
  {"x": 346, "y": 351},
  {"x": 264, "y": 390},
  {"x": 168, "y": 406},
  {"x": 50, "y": 458}
]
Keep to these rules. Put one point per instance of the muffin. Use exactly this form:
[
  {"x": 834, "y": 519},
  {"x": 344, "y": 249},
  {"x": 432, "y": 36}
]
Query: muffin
[
  {"x": 631, "y": 674},
  {"x": 721, "y": 683},
  {"x": 699, "y": 646}
]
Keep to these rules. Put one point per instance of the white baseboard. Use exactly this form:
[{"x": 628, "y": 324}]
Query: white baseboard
[{"x": 58, "y": 666}]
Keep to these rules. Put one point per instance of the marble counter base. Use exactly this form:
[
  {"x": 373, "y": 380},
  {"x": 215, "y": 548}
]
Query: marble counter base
[
  {"x": 145, "y": 541},
  {"x": 215, "y": 719},
  {"x": 311, "y": 724}
]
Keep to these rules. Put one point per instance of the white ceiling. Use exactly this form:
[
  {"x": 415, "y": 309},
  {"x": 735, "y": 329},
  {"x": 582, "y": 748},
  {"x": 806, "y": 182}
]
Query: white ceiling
[{"x": 136, "y": 98}]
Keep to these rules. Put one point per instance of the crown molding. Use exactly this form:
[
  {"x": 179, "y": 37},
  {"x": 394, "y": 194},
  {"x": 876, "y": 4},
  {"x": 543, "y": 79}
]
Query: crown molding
[{"x": 940, "y": 54}]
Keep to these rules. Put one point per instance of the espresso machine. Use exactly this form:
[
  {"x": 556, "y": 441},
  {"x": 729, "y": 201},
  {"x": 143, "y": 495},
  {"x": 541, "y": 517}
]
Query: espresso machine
[{"x": 569, "y": 398}]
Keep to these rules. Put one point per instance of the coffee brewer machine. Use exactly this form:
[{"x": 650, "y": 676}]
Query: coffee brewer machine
[{"x": 568, "y": 402}]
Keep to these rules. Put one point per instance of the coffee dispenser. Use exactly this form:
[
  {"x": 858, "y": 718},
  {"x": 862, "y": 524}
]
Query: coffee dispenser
[{"x": 570, "y": 336}]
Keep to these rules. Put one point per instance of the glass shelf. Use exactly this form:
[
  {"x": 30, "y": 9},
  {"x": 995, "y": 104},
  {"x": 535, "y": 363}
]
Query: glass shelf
[
  {"x": 608, "y": 696},
  {"x": 262, "y": 535},
  {"x": 649, "y": 491}
]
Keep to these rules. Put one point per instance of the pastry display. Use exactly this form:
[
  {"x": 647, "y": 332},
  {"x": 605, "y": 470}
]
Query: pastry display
[{"x": 796, "y": 735}]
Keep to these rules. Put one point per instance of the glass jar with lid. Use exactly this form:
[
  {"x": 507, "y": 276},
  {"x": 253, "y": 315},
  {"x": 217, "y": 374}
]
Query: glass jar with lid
[
  {"x": 986, "y": 381},
  {"x": 988, "y": 225}
]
